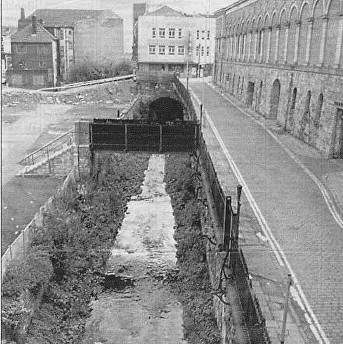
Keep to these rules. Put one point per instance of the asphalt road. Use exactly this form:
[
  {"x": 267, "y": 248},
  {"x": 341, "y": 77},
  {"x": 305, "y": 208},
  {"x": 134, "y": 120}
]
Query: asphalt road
[{"x": 292, "y": 205}]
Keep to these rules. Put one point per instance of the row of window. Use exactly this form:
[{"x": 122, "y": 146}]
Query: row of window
[
  {"x": 162, "y": 50},
  {"x": 180, "y": 50},
  {"x": 201, "y": 50},
  {"x": 172, "y": 33}
]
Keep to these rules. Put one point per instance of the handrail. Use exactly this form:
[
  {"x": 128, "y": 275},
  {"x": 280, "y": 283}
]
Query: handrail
[
  {"x": 88, "y": 83},
  {"x": 50, "y": 143}
]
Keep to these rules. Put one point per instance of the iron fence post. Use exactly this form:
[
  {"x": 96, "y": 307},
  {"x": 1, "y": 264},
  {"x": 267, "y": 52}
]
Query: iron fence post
[{"x": 284, "y": 322}]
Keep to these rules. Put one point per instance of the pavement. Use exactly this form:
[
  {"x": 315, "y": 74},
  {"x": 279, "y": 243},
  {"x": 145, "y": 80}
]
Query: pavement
[{"x": 291, "y": 222}]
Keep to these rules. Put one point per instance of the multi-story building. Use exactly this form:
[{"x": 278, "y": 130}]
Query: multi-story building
[
  {"x": 285, "y": 60},
  {"x": 34, "y": 57},
  {"x": 169, "y": 40},
  {"x": 6, "y": 53},
  {"x": 94, "y": 36}
]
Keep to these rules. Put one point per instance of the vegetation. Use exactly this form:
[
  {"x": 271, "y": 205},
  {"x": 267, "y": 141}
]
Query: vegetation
[
  {"x": 87, "y": 71},
  {"x": 72, "y": 250},
  {"x": 193, "y": 281}
]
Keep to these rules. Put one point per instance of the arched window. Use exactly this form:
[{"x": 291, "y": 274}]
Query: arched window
[
  {"x": 307, "y": 103},
  {"x": 282, "y": 37},
  {"x": 317, "y": 31},
  {"x": 291, "y": 36},
  {"x": 319, "y": 110},
  {"x": 294, "y": 98},
  {"x": 266, "y": 38},
  {"x": 332, "y": 33},
  {"x": 305, "y": 14},
  {"x": 273, "y": 40}
]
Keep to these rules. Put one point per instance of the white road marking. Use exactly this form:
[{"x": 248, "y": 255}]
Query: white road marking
[
  {"x": 277, "y": 250},
  {"x": 331, "y": 206}
]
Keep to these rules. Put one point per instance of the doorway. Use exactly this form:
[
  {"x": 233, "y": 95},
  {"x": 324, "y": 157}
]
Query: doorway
[
  {"x": 274, "y": 99},
  {"x": 338, "y": 136},
  {"x": 250, "y": 93}
]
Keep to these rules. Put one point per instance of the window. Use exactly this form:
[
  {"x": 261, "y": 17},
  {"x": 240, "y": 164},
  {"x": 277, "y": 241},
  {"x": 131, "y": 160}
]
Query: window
[
  {"x": 198, "y": 34},
  {"x": 152, "y": 49},
  {"x": 197, "y": 50},
  {"x": 153, "y": 32},
  {"x": 203, "y": 34},
  {"x": 43, "y": 49},
  {"x": 202, "y": 51},
  {"x": 162, "y": 33},
  {"x": 207, "y": 51},
  {"x": 21, "y": 49},
  {"x": 208, "y": 34},
  {"x": 61, "y": 34},
  {"x": 171, "y": 50},
  {"x": 70, "y": 45},
  {"x": 171, "y": 33},
  {"x": 70, "y": 32},
  {"x": 42, "y": 64},
  {"x": 181, "y": 50},
  {"x": 161, "y": 49},
  {"x": 180, "y": 33}
]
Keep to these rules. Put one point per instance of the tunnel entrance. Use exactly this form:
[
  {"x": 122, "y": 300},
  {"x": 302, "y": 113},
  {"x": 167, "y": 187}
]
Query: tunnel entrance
[{"x": 165, "y": 109}]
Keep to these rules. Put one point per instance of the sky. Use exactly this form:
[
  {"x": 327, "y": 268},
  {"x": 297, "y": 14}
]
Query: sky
[{"x": 11, "y": 9}]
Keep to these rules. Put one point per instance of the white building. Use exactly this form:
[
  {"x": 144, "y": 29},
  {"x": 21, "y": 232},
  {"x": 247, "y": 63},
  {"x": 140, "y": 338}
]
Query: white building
[{"x": 170, "y": 40}]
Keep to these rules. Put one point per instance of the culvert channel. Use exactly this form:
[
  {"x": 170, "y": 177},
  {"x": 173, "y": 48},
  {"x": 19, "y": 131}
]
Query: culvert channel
[{"x": 137, "y": 306}]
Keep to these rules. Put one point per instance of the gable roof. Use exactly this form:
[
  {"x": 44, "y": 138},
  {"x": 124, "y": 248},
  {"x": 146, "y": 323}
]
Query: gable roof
[
  {"x": 26, "y": 35},
  {"x": 167, "y": 12},
  {"x": 68, "y": 17}
]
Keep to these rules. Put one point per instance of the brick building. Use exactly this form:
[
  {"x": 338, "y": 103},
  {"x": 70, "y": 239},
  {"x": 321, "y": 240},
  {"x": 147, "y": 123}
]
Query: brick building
[
  {"x": 94, "y": 36},
  {"x": 165, "y": 39},
  {"x": 34, "y": 57},
  {"x": 285, "y": 60}
]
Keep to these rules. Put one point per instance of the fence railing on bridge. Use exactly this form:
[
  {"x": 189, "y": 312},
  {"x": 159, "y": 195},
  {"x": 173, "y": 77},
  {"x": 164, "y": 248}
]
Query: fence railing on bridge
[
  {"x": 133, "y": 135},
  {"x": 228, "y": 221}
]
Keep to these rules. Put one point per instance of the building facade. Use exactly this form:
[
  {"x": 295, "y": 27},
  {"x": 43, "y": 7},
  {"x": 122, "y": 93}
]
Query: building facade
[
  {"x": 85, "y": 36},
  {"x": 172, "y": 41},
  {"x": 284, "y": 59},
  {"x": 35, "y": 62}
]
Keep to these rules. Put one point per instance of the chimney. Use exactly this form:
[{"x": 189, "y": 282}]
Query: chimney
[
  {"x": 22, "y": 14},
  {"x": 34, "y": 25}
]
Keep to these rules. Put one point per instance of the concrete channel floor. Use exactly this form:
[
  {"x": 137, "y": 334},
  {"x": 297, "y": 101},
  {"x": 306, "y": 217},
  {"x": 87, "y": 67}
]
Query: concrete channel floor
[
  {"x": 294, "y": 209},
  {"x": 144, "y": 310}
]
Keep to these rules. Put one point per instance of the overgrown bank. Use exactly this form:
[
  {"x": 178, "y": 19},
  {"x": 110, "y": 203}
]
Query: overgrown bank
[
  {"x": 68, "y": 256},
  {"x": 193, "y": 281}
]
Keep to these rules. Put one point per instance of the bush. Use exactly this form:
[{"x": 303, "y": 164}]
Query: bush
[{"x": 88, "y": 71}]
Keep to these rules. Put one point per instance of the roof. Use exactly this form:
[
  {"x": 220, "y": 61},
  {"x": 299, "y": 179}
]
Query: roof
[
  {"x": 69, "y": 17},
  {"x": 166, "y": 11},
  {"x": 26, "y": 36}
]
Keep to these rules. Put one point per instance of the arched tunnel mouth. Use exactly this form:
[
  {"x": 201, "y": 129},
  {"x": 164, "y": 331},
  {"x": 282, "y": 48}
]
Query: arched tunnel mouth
[{"x": 165, "y": 109}]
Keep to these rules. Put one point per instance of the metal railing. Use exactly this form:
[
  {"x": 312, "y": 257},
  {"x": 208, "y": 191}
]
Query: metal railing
[
  {"x": 48, "y": 150},
  {"x": 228, "y": 221}
]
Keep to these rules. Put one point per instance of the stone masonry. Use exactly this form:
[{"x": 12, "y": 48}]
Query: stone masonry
[{"x": 284, "y": 60}]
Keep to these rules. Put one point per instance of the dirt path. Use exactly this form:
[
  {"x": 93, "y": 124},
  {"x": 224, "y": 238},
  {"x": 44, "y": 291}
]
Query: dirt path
[{"x": 142, "y": 308}]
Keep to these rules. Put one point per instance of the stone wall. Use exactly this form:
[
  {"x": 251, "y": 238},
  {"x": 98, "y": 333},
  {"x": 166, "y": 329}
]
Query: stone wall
[{"x": 285, "y": 61}]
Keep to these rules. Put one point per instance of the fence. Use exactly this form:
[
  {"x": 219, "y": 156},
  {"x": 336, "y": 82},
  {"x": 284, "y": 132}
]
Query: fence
[
  {"x": 133, "y": 135},
  {"x": 49, "y": 149},
  {"x": 20, "y": 245},
  {"x": 229, "y": 224}
]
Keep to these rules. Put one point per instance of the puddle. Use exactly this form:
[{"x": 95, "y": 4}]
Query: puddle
[{"x": 138, "y": 306}]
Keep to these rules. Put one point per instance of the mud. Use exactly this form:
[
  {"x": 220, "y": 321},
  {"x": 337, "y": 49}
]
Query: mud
[{"x": 138, "y": 305}]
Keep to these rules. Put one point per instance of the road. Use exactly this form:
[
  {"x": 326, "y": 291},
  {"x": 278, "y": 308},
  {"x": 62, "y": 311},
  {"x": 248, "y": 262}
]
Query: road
[{"x": 293, "y": 207}]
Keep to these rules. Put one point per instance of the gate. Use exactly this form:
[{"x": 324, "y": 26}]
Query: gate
[{"x": 133, "y": 135}]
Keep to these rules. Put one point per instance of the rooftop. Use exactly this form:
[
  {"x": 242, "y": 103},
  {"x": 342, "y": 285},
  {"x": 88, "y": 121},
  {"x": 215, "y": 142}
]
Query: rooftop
[
  {"x": 69, "y": 17},
  {"x": 26, "y": 35}
]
